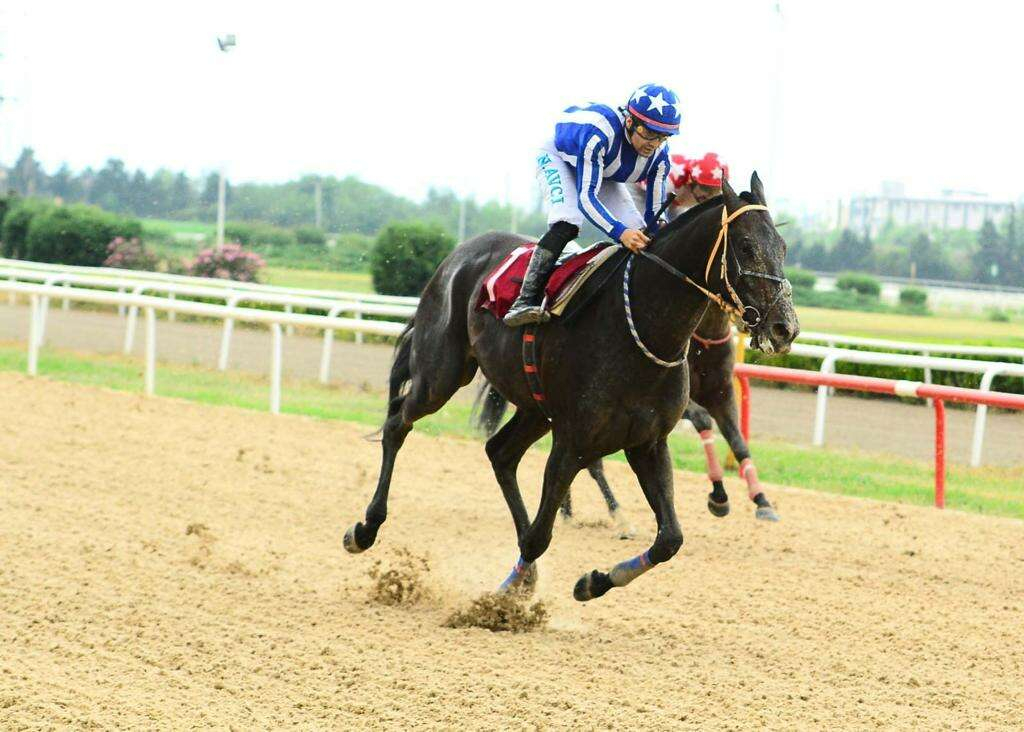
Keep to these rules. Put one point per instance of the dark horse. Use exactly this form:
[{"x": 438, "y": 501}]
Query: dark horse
[
  {"x": 712, "y": 401},
  {"x": 604, "y": 393}
]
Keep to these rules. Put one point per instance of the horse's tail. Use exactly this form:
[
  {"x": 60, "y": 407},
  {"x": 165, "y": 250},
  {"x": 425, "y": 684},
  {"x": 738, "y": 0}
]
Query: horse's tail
[
  {"x": 401, "y": 369},
  {"x": 488, "y": 409}
]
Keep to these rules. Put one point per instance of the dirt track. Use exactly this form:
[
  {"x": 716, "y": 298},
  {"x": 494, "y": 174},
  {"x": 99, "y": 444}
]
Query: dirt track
[{"x": 167, "y": 564}]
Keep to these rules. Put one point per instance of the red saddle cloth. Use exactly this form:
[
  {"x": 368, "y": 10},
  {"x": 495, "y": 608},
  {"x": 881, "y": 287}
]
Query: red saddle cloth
[{"x": 502, "y": 285}]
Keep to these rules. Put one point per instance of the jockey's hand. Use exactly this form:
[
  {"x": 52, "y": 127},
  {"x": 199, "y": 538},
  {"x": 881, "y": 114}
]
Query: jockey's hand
[{"x": 634, "y": 240}]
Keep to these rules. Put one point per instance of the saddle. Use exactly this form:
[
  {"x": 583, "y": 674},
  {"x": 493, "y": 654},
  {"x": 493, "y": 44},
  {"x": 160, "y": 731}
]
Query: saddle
[{"x": 574, "y": 267}]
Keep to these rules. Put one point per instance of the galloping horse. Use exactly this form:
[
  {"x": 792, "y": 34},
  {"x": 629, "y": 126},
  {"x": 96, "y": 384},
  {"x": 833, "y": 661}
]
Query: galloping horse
[
  {"x": 606, "y": 388},
  {"x": 711, "y": 359}
]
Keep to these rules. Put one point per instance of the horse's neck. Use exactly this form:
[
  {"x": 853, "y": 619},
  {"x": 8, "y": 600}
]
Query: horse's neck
[
  {"x": 666, "y": 308},
  {"x": 715, "y": 325}
]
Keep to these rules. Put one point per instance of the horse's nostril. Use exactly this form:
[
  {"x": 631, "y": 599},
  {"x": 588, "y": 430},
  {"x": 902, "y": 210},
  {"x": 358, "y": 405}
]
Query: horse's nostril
[{"x": 782, "y": 333}]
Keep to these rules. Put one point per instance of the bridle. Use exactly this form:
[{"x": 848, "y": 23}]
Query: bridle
[{"x": 747, "y": 317}]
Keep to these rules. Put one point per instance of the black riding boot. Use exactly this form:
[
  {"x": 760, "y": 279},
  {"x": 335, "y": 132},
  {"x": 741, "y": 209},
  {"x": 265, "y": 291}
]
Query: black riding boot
[{"x": 527, "y": 308}]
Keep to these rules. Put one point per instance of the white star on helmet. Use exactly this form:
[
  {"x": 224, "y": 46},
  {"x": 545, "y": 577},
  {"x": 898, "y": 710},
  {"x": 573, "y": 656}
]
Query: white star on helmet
[
  {"x": 716, "y": 173},
  {"x": 658, "y": 104},
  {"x": 638, "y": 95}
]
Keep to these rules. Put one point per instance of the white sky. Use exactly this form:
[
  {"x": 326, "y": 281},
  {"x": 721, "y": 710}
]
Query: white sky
[{"x": 458, "y": 94}]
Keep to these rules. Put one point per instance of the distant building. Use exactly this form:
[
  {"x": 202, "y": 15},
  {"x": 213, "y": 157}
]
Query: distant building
[{"x": 951, "y": 210}]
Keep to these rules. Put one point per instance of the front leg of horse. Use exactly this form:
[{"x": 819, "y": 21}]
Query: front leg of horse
[
  {"x": 533, "y": 542},
  {"x": 728, "y": 423},
  {"x": 653, "y": 467}
]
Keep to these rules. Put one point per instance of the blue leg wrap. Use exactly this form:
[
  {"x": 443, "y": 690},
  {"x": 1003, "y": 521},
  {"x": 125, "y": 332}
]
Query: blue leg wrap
[
  {"x": 515, "y": 576},
  {"x": 625, "y": 572}
]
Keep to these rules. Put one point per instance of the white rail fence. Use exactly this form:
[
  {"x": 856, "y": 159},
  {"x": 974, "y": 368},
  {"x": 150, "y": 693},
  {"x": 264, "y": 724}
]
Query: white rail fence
[
  {"x": 149, "y": 305},
  {"x": 232, "y": 298},
  {"x": 141, "y": 275},
  {"x": 131, "y": 283},
  {"x": 831, "y": 356}
]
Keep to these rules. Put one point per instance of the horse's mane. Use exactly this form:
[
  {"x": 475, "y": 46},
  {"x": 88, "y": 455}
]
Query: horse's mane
[{"x": 690, "y": 214}]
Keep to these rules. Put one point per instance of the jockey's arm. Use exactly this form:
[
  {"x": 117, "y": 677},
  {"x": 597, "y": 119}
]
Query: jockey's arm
[
  {"x": 589, "y": 176},
  {"x": 656, "y": 188}
]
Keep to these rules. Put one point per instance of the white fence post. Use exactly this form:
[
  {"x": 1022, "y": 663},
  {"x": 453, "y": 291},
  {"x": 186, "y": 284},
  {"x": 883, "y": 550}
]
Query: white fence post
[
  {"x": 359, "y": 334},
  {"x": 325, "y": 354},
  {"x": 171, "y": 313},
  {"x": 225, "y": 338},
  {"x": 979, "y": 419},
  {"x": 133, "y": 318},
  {"x": 120, "y": 308},
  {"x": 66, "y": 305},
  {"x": 289, "y": 330},
  {"x": 150, "y": 351},
  {"x": 828, "y": 366},
  {"x": 33, "y": 335},
  {"x": 275, "y": 369}
]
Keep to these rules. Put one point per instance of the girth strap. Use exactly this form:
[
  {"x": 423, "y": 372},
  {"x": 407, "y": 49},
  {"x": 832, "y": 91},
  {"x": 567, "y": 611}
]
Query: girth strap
[{"x": 531, "y": 369}]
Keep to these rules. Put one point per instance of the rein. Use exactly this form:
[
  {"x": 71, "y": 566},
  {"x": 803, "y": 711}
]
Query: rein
[{"x": 736, "y": 308}]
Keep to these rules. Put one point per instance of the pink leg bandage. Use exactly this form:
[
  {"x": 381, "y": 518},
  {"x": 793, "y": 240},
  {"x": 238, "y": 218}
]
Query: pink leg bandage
[
  {"x": 707, "y": 438},
  {"x": 749, "y": 473}
]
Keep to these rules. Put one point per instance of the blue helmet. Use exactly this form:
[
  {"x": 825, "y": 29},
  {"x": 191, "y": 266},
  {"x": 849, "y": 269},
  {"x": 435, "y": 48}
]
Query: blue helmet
[{"x": 657, "y": 107}]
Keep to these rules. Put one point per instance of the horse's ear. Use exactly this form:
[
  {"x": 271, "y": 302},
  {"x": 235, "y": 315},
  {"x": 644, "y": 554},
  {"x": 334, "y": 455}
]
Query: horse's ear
[
  {"x": 757, "y": 188},
  {"x": 732, "y": 201}
]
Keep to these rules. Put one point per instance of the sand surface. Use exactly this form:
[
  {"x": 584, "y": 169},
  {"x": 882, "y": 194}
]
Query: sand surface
[{"x": 165, "y": 565}]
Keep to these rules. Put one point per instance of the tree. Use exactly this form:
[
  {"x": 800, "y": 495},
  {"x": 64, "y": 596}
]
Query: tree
[
  {"x": 991, "y": 255},
  {"x": 27, "y": 177},
  {"x": 64, "y": 185},
  {"x": 405, "y": 256},
  {"x": 852, "y": 252},
  {"x": 930, "y": 260},
  {"x": 111, "y": 188},
  {"x": 182, "y": 194}
]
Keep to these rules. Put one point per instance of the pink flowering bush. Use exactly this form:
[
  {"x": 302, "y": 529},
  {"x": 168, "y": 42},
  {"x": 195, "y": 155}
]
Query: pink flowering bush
[
  {"x": 230, "y": 263},
  {"x": 130, "y": 254}
]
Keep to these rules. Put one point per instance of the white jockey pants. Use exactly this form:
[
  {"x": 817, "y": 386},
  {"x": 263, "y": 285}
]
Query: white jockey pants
[{"x": 557, "y": 181}]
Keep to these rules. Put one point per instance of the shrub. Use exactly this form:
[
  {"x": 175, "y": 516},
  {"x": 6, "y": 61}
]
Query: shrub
[
  {"x": 999, "y": 316},
  {"x": 353, "y": 252},
  {"x": 405, "y": 256},
  {"x": 310, "y": 236},
  {"x": 858, "y": 282},
  {"x": 14, "y": 232},
  {"x": 130, "y": 254},
  {"x": 801, "y": 278},
  {"x": 232, "y": 262},
  {"x": 257, "y": 235},
  {"x": 76, "y": 235},
  {"x": 913, "y": 297}
]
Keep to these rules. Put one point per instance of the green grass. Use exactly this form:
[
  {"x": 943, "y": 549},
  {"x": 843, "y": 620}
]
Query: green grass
[
  {"x": 318, "y": 280},
  {"x": 998, "y": 491},
  {"x": 168, "y": 227},
  {"x": 920, "y": 328}
]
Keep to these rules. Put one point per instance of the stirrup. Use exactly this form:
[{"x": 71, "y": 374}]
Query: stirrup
[{"x": 528, "y": 315}]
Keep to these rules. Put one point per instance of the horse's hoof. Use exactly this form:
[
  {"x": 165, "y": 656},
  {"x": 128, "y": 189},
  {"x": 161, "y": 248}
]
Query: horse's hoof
[
  {"x": 350, "y": 541},
  {"x": 766, "y": 513},
  {"x": 718, "y": 509},
  {"x": 592, "y": 585}
]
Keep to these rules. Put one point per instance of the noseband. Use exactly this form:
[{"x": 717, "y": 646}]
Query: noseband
[{"x": 747, "y": 316}]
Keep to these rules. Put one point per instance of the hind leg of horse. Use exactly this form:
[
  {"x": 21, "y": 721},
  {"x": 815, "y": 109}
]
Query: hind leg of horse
[
  {"x": 561, "y": 468},
  {"x": 423, "y": 398},
  {"x": 718, "y": 499},
  {"x": 505, "y": 450},
  {"x": 623, "y": 528},
  {"x": 653, "y": 467},
  {"x": 725, "y": 415}
]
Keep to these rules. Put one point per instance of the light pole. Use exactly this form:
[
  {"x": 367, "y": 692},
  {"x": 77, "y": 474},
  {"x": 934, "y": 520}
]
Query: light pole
[{"x": 225, "y": 42}]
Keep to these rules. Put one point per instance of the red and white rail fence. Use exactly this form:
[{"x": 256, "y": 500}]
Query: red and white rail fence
[{"x": 939, "y": 395}]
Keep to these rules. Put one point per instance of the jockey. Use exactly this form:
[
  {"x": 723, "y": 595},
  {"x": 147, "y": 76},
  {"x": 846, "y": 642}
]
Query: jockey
[
  {"x": 597, "y": 151},
  {"x": 692, "y": 181}
]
